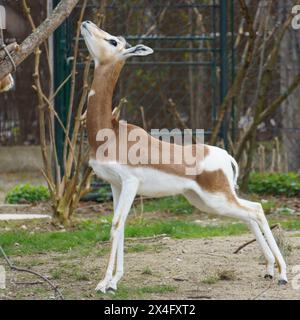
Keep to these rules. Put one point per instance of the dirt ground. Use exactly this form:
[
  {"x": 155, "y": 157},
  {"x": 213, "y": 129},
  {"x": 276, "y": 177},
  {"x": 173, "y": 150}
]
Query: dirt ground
[
  {"x": 189, "y": 267},
  {"x": 165, "y": 268}
]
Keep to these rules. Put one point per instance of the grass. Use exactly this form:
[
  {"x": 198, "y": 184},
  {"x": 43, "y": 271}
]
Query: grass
[
  {"x": 124, "y": 293},
  {"x": 79, "y": 276},
  {"x": 291, "y": 224},
  {"x": 156, "y": 289},
  {"x": 147, "y": 271},
  {"x": 295, "y": 235},
  {"x": 139, "y": 247},
  {"x": 222, "y": 275},
  {"x": 56, "y": 274},
  {"x": 210, "y": 280},
  {"x": 86, "y": 235},
  {"x": 176, "y": 205},
  {"x": 69, "y": 271},
  {"x": 269, "y": 206},
  {"x": 90, "y": 233},
  {"x": 142, "y": 247},
  {"x": 182, "y": 229}
]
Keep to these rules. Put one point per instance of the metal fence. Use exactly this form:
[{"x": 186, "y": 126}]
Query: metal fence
[
  {"x": 191, "y": 65},
  {"x": 18, "y": 112}
]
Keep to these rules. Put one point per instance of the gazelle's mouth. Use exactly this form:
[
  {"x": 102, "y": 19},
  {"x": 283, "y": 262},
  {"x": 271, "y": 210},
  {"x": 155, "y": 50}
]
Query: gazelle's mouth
[{"x": 84, "y": 27}]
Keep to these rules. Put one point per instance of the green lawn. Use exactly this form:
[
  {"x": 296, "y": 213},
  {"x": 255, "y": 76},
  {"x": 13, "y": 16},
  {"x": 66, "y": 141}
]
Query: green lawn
[
  {"x": 176, "y": 205},
  {"x": 87, "y": 233},
  {"x": 90, "y": 232}
]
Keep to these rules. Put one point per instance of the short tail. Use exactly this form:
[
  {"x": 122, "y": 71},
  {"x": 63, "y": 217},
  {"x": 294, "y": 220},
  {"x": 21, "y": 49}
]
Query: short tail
[{"x": 236, "y": 170}]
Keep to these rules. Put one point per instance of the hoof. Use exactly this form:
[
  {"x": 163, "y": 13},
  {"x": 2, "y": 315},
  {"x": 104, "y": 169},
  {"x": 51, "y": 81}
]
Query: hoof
[
  {"x": 101, "y": 287},
  {"x": 111, "y": 290},
  {"x": 282, "y": 282},
  {"x": 106, "y": 286},
  {"x": 268, "y": 276}
]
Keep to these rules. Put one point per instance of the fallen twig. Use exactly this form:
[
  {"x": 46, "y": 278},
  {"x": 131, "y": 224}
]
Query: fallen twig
[
  {"x": 28, "y": 283},
  {"x": 262, "y": 292},
  {"x": 13, "y": 267},
  {"x": 251, "y": 241},
  {"x": 160, "y": 236},
  {"x": 199, "y": 297},
  {"x": 213, "y": 255}
]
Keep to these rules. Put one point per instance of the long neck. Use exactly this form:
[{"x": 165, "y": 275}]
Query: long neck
[{"x": 99, "y": 111}]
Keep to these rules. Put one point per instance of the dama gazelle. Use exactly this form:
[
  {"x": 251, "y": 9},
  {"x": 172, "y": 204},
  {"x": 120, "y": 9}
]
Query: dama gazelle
[{"x": 211, "y": 190}]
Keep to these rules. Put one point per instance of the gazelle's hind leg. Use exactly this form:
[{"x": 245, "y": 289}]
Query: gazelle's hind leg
[
  {"x": 195, "y": 200},
  {"x": 254, "y": 227},
  {"x": 252, "y": 214},
  {"x": 264, "y": 226},
  {"x": 264, "y": 247}
]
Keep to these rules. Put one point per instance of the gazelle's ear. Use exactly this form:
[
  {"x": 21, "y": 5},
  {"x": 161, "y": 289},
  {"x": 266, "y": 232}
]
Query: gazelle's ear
[{"x": 139, "y": 50}]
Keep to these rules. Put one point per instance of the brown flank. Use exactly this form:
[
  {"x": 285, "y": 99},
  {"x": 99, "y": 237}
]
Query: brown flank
[{"x": 99, "y": 116}]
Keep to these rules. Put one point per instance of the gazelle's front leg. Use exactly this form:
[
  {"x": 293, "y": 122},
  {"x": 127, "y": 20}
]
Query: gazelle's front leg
[
  {"x": 119, "y": 270},
  {"x": 119, "y": 263},
  {"x": 127, "y": 195}
]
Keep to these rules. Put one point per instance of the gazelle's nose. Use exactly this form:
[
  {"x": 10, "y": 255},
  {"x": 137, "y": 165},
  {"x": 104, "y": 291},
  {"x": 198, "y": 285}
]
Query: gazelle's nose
[{"x": 86, "y": 23}]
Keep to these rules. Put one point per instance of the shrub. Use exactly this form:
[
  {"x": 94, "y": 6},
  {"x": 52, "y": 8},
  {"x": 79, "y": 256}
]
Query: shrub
[
  {"x": 27, "y": 193},
  {"x": 287, "y": 184},
  {"x": 104, "y": 193}
]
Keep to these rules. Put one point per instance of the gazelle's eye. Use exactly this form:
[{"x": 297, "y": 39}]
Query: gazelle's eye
[{"x": 113, "y": 42}]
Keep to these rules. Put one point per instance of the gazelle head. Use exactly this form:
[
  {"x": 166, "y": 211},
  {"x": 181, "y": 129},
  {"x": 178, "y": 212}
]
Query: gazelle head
[{"x": 105, "y": 48}]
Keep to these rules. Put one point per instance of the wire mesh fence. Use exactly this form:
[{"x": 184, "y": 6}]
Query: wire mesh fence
[
  {"x": 18, "y": 107},
  {"x": 185, "y": 68}
]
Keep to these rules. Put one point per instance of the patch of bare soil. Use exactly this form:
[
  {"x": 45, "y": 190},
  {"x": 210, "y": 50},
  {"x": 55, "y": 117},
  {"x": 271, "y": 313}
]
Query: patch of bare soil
[{"x": 194, "y": 268}]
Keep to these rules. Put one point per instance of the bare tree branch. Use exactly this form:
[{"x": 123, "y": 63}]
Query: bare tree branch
[
  {"x": 59, "y": 14},
  {"x": 73, "y": 85},
  {"x": 264, "y": 85},
  {"x": 13, "y": 267}
]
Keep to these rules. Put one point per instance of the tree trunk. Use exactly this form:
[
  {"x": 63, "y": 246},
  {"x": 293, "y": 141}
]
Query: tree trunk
[{"x": 289, "y": 68}]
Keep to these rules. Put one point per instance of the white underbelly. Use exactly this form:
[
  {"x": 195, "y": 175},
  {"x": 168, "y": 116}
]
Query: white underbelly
[{"x": 151, "y": 182}]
